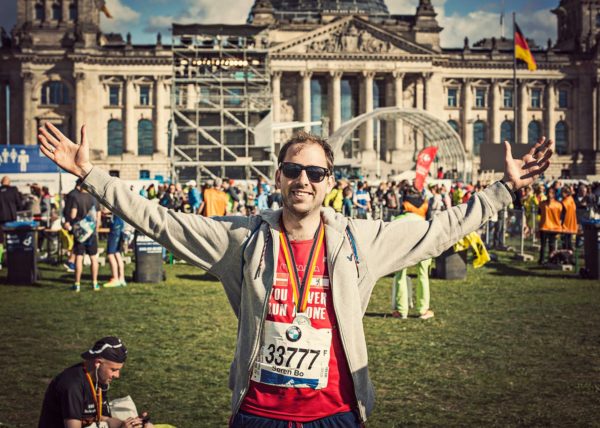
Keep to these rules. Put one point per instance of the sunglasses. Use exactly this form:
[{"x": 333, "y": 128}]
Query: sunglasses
[{"x": 292, "y": 170}]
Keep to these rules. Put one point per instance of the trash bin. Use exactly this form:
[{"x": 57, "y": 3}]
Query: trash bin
[
  {"x": 590, "y": 248},
  {"x": 148, "y": 260},
  {"x": 20, "y": 239},
  {"x": 451, "y": 264}
]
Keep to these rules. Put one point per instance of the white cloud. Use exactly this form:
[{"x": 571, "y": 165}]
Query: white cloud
[
  {"x": 123, "y": 18},
  {"x": 538, "y": 25},
  {"x": 203, "y": 11}
]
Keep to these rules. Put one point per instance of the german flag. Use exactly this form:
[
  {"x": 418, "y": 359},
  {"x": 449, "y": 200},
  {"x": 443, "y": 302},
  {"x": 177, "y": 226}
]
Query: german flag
[{"x": 522, "y": 50}]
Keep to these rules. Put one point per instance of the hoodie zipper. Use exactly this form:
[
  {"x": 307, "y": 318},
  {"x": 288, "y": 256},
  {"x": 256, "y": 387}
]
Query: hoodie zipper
[{"x": 257, "y": 340}]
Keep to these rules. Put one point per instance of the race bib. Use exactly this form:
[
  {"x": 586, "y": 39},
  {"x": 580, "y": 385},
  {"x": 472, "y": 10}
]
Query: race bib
[{"x": 293, "y": 356}]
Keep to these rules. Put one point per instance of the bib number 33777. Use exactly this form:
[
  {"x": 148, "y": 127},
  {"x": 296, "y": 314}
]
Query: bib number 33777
[{"x": 297, "y": 360}]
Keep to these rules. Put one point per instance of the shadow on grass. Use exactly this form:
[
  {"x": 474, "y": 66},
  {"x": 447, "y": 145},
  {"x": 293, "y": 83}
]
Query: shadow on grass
[
  {"x": 200, "y": 277},
  {"x": 539, "y": 271}
]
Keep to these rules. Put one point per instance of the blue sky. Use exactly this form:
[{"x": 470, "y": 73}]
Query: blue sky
[{"x": 460, "y": 18}]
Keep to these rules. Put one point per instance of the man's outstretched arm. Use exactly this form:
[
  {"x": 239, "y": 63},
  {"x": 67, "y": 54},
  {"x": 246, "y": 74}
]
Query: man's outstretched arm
[
  {"x": 395, "y": 245},
  {"x": 199, "y": 240}
]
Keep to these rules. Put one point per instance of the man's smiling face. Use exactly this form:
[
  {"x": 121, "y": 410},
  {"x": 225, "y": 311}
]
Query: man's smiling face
[{"x": 301, "y": 196}]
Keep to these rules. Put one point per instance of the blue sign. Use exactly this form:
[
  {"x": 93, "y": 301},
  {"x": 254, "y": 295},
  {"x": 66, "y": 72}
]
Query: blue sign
[{"x": 16, "y": 159}]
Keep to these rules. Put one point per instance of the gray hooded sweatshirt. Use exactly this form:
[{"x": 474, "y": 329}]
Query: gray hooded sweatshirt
[{"x": 242, "y": 252}]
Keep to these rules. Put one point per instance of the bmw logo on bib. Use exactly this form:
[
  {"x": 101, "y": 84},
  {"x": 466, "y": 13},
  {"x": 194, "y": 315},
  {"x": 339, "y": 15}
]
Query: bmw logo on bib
[{"x": 293, "y": 333}]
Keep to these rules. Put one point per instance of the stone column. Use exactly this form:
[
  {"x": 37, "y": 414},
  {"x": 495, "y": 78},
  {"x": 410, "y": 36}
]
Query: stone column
[
  {"x": 398, "y": 140},
  {"x": 465, "y": 112},
  {"x": 366, "y": 141},
  {"x": 3, "y": 113},
  {"x": 79, "y": 105},
  {"x": 335, "y": 100},
  {"x": 523, "y": 106},
  {"x": 130, "y": 140},
  {"x": 496, "y": 117},
  {"x": 65, "y": 11},
  {"x": 48, "y": 9},
  {"x": 427, "y": 102},
  {"x": 29, "y": 123},
  {"x": 549, "y": 110},
  {"x": 306, "y": 75},
  {"x": 419, "y": 93},
  {"x": 160, "y": 129},
  {"x": 276, "y": 82}
]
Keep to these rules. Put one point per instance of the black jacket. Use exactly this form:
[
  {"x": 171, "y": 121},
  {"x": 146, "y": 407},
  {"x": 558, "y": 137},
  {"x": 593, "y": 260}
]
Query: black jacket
[{"x": 10, "y": 203}]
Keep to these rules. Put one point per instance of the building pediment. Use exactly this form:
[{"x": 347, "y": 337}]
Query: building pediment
[{"x": 350, "y": 36}]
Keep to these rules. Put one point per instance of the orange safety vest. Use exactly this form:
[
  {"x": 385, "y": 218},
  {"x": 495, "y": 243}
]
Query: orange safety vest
[
  {"x": 420, "y": 211},
  {"x": 550, "y": 211},
  {"x": 570, "y": 223}
]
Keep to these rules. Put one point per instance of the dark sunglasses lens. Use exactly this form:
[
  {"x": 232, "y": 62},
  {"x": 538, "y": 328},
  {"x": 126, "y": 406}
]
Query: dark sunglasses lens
[
  {"x": 291, "y": 170},
  {"x": 316, "y": 174}
]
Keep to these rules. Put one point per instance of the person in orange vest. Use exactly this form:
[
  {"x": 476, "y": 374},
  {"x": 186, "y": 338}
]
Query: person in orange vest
[
  {"x": 415, "y": 209},
  {"x": 551, "y": 219},
  {"x": 570, "y": 221},
  {"x": 415, "y": 203}
]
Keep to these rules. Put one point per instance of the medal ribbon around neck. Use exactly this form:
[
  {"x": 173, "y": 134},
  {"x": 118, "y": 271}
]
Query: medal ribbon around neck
[
  {"x": 301, "y": 289},
  {"x": 97, "y": 396}
]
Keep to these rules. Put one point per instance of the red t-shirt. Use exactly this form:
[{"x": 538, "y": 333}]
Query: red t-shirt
[{"x": 304, "y": 404}]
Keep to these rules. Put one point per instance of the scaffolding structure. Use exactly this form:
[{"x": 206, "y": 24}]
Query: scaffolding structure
[{"x": 220, "y": 94}]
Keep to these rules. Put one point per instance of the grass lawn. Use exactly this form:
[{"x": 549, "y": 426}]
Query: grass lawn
[{"x": 513, "y": 345}]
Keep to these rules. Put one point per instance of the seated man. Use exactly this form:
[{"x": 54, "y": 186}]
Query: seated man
[{"x": 77, "y": 397}]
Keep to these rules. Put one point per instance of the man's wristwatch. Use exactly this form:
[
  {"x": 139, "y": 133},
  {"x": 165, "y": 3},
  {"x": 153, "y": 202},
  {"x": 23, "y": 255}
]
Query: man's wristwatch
[{"x": 513, "y": 195}]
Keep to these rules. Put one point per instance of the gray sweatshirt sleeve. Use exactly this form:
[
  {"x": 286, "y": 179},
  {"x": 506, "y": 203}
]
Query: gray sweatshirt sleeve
[
  {"x": 389, "y": 247},
  {"x": 199, "y": 240}
]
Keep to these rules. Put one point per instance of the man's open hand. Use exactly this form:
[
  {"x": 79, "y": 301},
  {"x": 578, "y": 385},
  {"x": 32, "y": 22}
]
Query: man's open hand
[
  {"x": 68, "y": 155},
  {"x": 522, "y": 172}
]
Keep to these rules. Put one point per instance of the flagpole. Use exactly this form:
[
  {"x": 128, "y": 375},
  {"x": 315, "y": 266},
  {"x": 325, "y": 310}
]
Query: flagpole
[{"x": 515, "y": 90}]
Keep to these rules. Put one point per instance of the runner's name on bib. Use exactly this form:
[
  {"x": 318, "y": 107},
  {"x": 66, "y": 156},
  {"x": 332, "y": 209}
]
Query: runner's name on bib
[{"x": 293, "y": 356}]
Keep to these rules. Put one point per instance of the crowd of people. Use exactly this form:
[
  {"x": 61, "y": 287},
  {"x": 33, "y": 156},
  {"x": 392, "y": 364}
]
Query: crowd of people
[{"x": 553, "y": 209}]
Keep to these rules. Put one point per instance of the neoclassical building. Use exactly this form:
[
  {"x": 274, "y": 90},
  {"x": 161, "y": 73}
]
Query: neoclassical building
[{"x": 197, "y": 103}]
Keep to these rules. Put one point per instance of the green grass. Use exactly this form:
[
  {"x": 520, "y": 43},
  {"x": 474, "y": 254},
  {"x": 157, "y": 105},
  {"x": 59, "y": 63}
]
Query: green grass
[{"x": 513, "y": 345}]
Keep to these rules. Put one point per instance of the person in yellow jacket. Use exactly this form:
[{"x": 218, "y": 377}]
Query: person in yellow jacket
[
  {"x": 551, "y": 219},
  {"x": 570, "y": 219},
  {"x": 335, "y": 198}
]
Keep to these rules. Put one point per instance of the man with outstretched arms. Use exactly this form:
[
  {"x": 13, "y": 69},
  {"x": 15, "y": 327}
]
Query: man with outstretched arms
[{"x": 298, "y": 279}]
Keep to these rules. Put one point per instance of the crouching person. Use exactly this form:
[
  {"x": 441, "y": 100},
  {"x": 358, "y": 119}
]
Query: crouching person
[{"x": 77, "y": 397}]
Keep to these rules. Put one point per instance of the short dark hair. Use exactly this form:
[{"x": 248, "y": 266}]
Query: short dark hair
[{"x": 303, "y": 137}]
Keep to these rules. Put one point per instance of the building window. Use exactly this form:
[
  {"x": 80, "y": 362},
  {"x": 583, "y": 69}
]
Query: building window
[
  {"x": 114, "y": 95},
  {"x": 536, "y": 98},
  {"x": 73, "y": 12},
  {"x": 562, "y": 138},
  {"x": 318, "y": 105},
  {"x": 56, "y": 12},
  {"x": 479, "y": 129},
  {"x": 508, "y": 97},
  {"x": 55, "y": 93},
  {"x": 563, "y": 98},
  {"x": 507, "y": 131},
  {"x": 144, "y": 174},
  {"x": 480, "y": 97},
  {"x": 454, "y": 125},
  {"x": 114, "y": 173},
  {"x": 452, "y": 97},
  {"x": 115, "y": 137},
  {"x": 534, "y": 132},
  {"x": 40, "y": 13},
  {"x": 145, "y": 137},
  {"x": 145, "y": 95}
]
